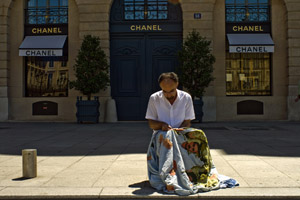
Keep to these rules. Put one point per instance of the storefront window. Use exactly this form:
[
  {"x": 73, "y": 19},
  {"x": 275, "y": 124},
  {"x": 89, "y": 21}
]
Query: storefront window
[
  {"x": 145, "y": 9},
  {"x": 47, "y": 12},
  {"x": 46, "y": 77},
  {"x": 248, "y": 74},
  {"x": 247, "y": 11}
]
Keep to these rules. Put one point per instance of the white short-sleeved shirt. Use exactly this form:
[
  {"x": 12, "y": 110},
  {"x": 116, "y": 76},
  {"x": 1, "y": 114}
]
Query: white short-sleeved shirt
[{"x": 160, "y": 109}]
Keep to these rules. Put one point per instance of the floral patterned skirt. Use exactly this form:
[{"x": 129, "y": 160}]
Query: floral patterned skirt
[{"x": 180, "y": 162}]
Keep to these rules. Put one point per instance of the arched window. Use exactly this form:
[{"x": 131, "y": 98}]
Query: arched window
[
  {"x": 145, "y": 9},
  {"x": 47, "y": 12},
  {"x": 247, "y": 11}
]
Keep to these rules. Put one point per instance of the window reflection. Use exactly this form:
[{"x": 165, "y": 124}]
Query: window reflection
[
  {"x": 46, "y": 77},
  {"x": 145, "y": 9},
  {"x": 248, "y": 74},
  {"x": 247, "y": 10},
  {"x": 47, "y": 12}
]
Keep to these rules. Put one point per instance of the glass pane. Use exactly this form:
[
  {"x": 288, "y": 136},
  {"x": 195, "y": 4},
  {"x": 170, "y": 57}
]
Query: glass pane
[
  {"x": 129, "y": 7},
  {"x": 129, "y": 15},
  {"x": 240, "y": 2},
  {"x": 41, "y": 20},
  {"x": 163, "y": 15},
  {"x": 152, "y": 14},
  {"x": 64, "y": 3},
  {"x": 31, "y": 3},
  {"x": 253, "y": 17},
  {"x": 247, "y": 74},
  {"x": 229, "y": 1},
  {"x": 152, "y": 9},
  {"x": 252, "y": 1},
  {"x": 32, "y": 20},
  {"x": 162, "y": 7},
  {"x": 230, "y": 17},
  {"x": 263, "y": 17},
  {"x": 42, "y": 3},
  {"x": 152, "y": 6},
  {"x": 63, "y": 19},
  {"x": 45, "y": 77},
  {"x": 139, "y": 7},
  {"x": 139, "y": 15},
  {"x": 263, "y": 1},
  {"x": 54, "y": 3}
]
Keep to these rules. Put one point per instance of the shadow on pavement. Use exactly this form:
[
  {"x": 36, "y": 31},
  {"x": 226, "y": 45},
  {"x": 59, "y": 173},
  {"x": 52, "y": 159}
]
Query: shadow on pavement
[
  {"x": 71, "y": 139},
  {"x": 144, "y": 188}
]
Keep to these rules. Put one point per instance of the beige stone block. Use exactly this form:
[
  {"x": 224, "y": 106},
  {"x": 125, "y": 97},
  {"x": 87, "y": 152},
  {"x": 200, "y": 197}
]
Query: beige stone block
[
  {"x": 5, "y": 3},
  {"x": 89, "y": 26},
  {"x": 294, "y": 52},
  {"x": 204, "y": 16},
  {"x": 293, "y": 24},
  {"x": 94, "y": 17},
  {"x": 295, "y": 71},
  {"x": 293, "y": 80},
  {"x": 105, "y": 44},
  {"x": 104, "y": 35},
  {"x": 293, "y": 61},
  {"x": 3, "y": 21},
  {"x": 3, "y": 63},
  {"x": 3, "y": 73},
  {"x": 294, "y": 33},
  {"x": 3, "y": 29},
  {"x": 191, "y": 7},
  {"x": 294, "y": 42},
  {"x": 293, "y": 15},
  {"x": 4, "y": 47},
  {"x": 3, "y": 38},
  {"x": 4, "y": 10},
  {"x": 280, "y": 90},
  {"x": 293, "y": 90},
  {"x": 198, "y": 24},
  {"x": 3, "y": 57},
  {"x": 293, "y": 7},
  {"x": 291, "y": 1},
  {"x": 93, "y": 8},
  {"x": 3, "y": 81},
  {"x": 203, "y": 32},
  {"x": 227, "y": 108},
  {"x": 3, "y": 93}
]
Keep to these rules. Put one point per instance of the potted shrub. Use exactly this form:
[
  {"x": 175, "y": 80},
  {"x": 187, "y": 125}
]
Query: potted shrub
[
  {"x": 91, "y": 72},
  {"x": 196, "y": 68}
]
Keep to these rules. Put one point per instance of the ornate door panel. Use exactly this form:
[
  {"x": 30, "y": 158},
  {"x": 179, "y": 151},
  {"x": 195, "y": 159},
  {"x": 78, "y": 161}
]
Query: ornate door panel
[
  {"x": 145, "y": 36},
  {"x": 136, "y": 63}
]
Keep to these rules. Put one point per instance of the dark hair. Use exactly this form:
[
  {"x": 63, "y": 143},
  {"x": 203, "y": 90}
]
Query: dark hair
[{"x": 166, "y": 75}]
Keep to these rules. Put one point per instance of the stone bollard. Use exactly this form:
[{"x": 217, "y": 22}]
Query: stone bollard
[
  {"x": 111, "y": 111},
  {"x": 29, "y": 163}
]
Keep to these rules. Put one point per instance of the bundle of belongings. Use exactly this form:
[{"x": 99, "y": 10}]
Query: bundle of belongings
[{"x": 179, "y": 161}]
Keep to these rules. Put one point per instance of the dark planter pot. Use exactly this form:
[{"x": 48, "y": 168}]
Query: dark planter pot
[
  {"x": 87, "y": 110},
  {"x": 198, "y": 104}
]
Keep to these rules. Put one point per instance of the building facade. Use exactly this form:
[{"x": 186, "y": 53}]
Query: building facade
[{"x": 256, "y": 44}]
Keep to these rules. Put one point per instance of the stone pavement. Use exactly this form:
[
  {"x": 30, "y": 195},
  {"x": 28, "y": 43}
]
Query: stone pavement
[{"x": 108, "y": 161}]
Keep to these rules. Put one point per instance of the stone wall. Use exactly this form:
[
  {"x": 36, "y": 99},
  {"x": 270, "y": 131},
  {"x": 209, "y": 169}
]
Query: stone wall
[
  {"x": 94, "y": 20},
  {"x": 4, "y": 61},
  {"x": 293, "y": 17}
]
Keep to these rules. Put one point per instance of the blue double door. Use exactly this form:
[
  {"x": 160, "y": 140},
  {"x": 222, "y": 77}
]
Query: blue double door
[{"x": 136, "y": 63}]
